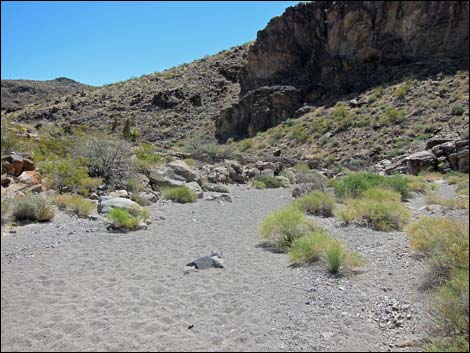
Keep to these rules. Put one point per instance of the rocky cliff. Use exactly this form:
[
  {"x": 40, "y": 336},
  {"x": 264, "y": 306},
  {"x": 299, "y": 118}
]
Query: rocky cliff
[{"x": 330, "y": 48}]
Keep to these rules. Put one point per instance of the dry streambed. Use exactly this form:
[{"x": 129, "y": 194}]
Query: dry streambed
[{"x": 71, "y": 285}]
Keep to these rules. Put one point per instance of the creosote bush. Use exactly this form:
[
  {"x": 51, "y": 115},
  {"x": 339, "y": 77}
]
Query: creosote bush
[
  {"x": 33, "y": 207},
  {"x": 66, "y": 174},
  {"x": 316, "y": 203},
  {"x": 284, "y": 226},
  {"x": 180, "y": 194}
]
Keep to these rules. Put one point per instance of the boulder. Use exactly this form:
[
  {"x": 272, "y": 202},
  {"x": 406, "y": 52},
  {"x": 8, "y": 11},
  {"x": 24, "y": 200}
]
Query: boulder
[
  {"x": 216, "y": 188},
  {"x": 30, "y": 178},
  {"x": 163, "y": 177},
  {"x": 106, "y": 204},
  {"x": 12, "y": 164},
  {"x": 196, "y": 188},
  {"x": 436, "y": 141},
  {"x": 265, "y": 165},
  {"x": 180, "y": 168},
  {"x": 268, "y": 172},
  {"x": 444, "y": 149},
  {"x": 417, "y": 162},
  {"x": 463, "y": 161},
  {"x": 119, "y": 193}
]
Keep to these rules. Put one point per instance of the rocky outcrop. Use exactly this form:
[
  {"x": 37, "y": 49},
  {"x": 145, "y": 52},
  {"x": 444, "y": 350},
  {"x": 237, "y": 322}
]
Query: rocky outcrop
[
  {"x": 337, "y": 47},
  {"x": 441, "y": 154}
]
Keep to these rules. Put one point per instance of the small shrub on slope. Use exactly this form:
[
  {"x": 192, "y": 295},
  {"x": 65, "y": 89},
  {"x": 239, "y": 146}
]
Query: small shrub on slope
[{"x": 33, "y": 207}]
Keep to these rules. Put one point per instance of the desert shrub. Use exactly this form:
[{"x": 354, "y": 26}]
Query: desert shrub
[
  {"x": 299, "y": 134},
  {"x": 402, "y": 90},
  {"x": 32, "y": 207},
  {"x": 121, "y": 219},
  {"x": 180, "y": 194},
  {"x": 454, "y": 204},
  {"x": 309, "y": 248},
  {"x": 445, "y": 241},
  {"x": 87, "y": 185},
  {"x": 106, "y": 158},
  {"x": 284, "y": 226},
  {"x": 354, "y": 185},
  {"x": 451, "y": 310},
  {"x": 74, "y": 204},
  {"x": 457, "y": 110},
  {"x": 309, "y": 180},
  {"x": 259, "y": 184},
  {"x": 245, "y": 144},
  {"x": 66, "y": 174},
  {"x": 418, "y": 184},
  {"x": 316, "y": 203},
  {"x": 392, "y": 116},
  {"x": 339, "y": 259},
  {"x": 146, "y": 157},
  {"x": 269, "y": 181},
  {"x": 381, "y": 208},
  {"x": 134, "y": 185},
  {"x": 200, "y": 145}
]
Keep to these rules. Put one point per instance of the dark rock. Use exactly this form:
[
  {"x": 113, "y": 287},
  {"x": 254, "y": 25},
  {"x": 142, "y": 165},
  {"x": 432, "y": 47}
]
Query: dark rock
[
  {"x": 334, "y": 48},
  {"x": 436, "y": 141},
  {"x": 420, "y": 161}
]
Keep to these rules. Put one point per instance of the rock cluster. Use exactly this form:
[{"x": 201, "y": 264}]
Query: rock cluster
[{"x": 441, "y": 154}]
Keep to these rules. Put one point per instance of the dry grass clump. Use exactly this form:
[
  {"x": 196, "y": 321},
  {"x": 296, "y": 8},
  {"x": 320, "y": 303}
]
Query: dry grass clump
[
  {"x": 381, "y": 208},
  {"x": 180, "y": 194},
  {"x": 74, "y": 204},
  {"x": 32, "y": 207},
  {"x": 316, "y": 203}
]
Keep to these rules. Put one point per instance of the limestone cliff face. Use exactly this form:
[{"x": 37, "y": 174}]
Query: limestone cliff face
[{"x": 338, "y": 46}]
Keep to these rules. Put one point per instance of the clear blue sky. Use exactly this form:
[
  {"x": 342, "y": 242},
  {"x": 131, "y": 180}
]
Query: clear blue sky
[{"x": 104, "y": 42}]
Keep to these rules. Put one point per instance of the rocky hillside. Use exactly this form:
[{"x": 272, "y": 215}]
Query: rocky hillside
[
  {"x": 320, "y": 51},
  {"x": 163, "y": 107},
  {"x": 17, "y": 94}
]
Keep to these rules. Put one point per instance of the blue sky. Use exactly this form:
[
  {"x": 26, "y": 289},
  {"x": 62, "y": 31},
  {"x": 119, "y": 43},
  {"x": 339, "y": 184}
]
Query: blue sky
[{"x": 104, "y": 42}]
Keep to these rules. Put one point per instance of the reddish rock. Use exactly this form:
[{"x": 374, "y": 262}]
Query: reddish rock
[{"x": 31, "y": 177}]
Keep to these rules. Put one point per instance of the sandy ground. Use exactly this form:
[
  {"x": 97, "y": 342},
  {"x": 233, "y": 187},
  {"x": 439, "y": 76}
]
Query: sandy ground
[{"x": 69, "y": 285}]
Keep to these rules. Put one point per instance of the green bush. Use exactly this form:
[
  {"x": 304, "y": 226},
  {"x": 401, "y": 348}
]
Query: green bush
[
  {"x": 121, "y": 219},
  {"x": 316, "y": 203},
  {"x": 354, "y": 185},
  {"x": 75, "y": 204},
  {"x": 269, "y": 182},
  {"x": 445, "y": 241},
  {"x": 392, "y": 116},
  {"x": 147, "y": 157},
  {"x": 451, "y": 306},
  {"x": 284, "y": 226},
  {"x": 381, "y": 208},
  {"x": 299, "y": 134},
  {"x": 180, "y": 194},
  {"x": 309, "y": 248},
  {"x": 457, "y": 110},
  {"x": 339, "y": 259},
  {"x": 32, "y": 207},
  {"x": 65, "y": 175},
  {"x": 259, "y": 184},
  {"x": 87, "y": 185}
]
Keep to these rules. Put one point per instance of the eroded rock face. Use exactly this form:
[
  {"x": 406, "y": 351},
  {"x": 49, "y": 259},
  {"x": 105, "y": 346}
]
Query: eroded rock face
[{"x": 323, "y": 47}]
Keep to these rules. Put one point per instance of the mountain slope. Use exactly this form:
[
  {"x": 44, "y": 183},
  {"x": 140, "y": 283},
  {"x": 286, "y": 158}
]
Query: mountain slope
[
  {"x": 17, "y": 94},
  {"x": 163, "y": 107}
]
